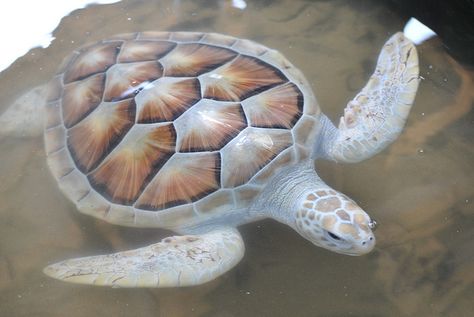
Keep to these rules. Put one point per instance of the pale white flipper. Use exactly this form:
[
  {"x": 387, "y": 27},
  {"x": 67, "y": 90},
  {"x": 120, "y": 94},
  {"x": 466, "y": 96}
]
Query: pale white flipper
[
  {"x": 175, "y": 261},
  {"x": 24, "y": 118},
  {"x": 376, "y": 116}
]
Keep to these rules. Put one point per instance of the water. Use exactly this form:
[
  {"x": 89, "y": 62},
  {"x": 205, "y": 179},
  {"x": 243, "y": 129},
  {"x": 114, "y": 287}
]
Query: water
[{"x": 420, "y": 190}]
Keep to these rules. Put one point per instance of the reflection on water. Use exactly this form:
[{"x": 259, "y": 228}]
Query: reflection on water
[{"x": 420, "y": 190}]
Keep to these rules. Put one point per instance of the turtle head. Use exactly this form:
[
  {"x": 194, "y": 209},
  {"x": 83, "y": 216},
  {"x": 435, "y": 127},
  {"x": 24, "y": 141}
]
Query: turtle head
[{"x": 332, "y": 221}]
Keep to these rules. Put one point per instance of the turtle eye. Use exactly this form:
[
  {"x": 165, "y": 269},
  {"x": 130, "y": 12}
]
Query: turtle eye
[
  {"x": 372, "y": 224},
  {"x": 334, "y": 236}
]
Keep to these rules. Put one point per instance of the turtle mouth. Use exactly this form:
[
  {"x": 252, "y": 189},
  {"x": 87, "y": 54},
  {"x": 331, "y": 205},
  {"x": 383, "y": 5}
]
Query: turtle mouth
[{"x": 347, "y": 246}]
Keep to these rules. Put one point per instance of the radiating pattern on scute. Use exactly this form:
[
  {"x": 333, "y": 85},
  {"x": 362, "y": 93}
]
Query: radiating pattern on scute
[
  {"x": 222, "y": 123},
  {"x": 81, "y": 97},
  {"x": 125, "y": 80},
  {"x": 188, "y": 60},
  {"x": 92, "y": 60},
  {"x": 125, "y": 171},
  {"x": 243, "y": 77},
  {"x": 134, "y": 51},
  {"x": 167, "y": 99},
  {"x": 93, "y": 138},
  {"x": 156, "y": 120},
  {"x": 280, "y": 107},
  {"x": 250, "y": 151},
  {"x": 183, "y": 179}
]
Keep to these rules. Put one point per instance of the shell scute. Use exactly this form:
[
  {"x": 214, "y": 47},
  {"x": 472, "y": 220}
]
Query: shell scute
[
  {"x": 186, "y": 36},
  {"x": 123, "y": 215},
  {"x": 126, "y": 80},
  {"x": 279, "y": 107},
  {"x": 54, "y": 139},
  {"x": 176, "y": 216},
  {"x": 209, "y": 125},
  {"x": 167, "y": 98},
  {"x": 250, "y": 151},
  {"x": 95, "y": 204},
  {"x": 60, "y": 163},
  {"x": 243, "y": 77},
  {"x": 74, "y": 185},
  {"x": 305, "y": 130},
  {"x": 154, "y": 35},
  {"x": 216, "y": 202},
  {"x": 109, "y": 124},
  {"x": 182, "y": 180},
  {"x": 249, "y": 47},
  {"x": 81, "y": 98},
  {"x": 283, "y": 159},
  {"x": 244, "y": 196},
  {"x": 122, "y": 37},
  {"x": 92, "y": 60},
  {"x": 52, "y": 115},
  {"x": 193, "y": 59},
  {"x": 218, "y": 39},
  {"x": 54, "y": 90},
  {"x": 133, "y": 51},
  {"x": 276, "y": 59}
]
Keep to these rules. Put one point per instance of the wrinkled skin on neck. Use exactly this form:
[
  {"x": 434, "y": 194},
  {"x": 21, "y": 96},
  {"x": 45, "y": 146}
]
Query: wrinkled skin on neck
[{"x": 331, "y": 220}]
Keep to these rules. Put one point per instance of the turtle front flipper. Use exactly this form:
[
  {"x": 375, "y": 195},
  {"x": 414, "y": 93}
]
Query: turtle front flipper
[
  {"x": 175, "y": 261},
  {"x": 376, "y": 116}
]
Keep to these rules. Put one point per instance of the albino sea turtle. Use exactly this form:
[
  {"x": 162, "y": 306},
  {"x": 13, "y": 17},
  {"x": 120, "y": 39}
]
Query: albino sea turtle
[{"x": 199, "y": 133}]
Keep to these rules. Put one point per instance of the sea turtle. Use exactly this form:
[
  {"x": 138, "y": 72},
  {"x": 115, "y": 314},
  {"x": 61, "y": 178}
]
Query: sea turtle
[{"x": 199, "y": 133}]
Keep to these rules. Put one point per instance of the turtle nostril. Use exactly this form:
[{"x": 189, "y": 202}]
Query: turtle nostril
[
  {"x": 372, "y": 224},
  {"x": 370, "y": 239}
]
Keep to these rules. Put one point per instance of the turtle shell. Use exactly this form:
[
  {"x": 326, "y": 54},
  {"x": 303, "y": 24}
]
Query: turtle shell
[{"x": 159, "y": 129}]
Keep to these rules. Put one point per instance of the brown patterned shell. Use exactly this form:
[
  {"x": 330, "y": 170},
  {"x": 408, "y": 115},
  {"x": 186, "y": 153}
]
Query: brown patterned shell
[{"x": 162, "y": 129}]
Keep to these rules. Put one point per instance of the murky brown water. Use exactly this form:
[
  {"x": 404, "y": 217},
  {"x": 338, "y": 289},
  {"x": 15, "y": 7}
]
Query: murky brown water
[{"x": 421, "y": 189}]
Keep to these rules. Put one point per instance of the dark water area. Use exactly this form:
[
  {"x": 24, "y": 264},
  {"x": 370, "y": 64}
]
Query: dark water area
[{"x": 420, "y": 189}]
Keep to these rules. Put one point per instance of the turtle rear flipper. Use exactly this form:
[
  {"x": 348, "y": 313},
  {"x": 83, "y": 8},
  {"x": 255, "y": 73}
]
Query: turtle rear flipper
[
  {"x": 376, "y": 116},
  {"x": 24, "y": 118},
  {"x": 175, "y": 261}
]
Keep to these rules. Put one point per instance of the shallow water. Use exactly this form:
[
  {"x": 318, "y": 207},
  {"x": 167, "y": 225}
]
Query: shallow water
[{"x": 420, "y": 190}]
